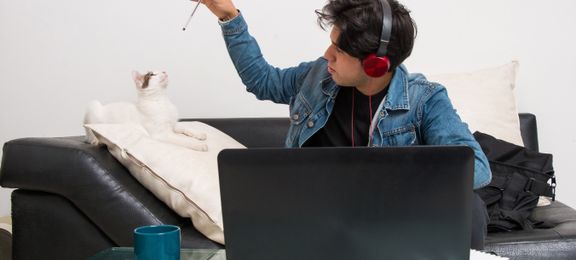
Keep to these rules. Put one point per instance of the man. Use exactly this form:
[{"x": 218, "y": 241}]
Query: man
[{"x": 358, "y": 93}]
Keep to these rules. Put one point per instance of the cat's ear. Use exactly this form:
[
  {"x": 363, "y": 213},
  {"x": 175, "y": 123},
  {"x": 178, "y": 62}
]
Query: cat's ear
[{"x": 138, "y": 78}]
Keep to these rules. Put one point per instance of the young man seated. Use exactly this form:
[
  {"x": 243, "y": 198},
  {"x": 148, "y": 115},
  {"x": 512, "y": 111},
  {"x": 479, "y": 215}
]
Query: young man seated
[{"x": 358, "y": 93}]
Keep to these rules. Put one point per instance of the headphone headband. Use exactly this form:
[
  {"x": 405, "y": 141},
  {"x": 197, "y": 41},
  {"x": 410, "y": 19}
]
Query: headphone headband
[{"x": 386, "y": 29}]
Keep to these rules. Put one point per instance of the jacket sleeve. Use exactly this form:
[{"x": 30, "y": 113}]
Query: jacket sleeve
[
  {"x": 441, "y": 125},
  {"x": 259, "y": 77}
]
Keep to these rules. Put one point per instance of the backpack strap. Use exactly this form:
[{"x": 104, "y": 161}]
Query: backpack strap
[
  {"x": 541, "y": 188},
  {"x": 529, "y": 184}
]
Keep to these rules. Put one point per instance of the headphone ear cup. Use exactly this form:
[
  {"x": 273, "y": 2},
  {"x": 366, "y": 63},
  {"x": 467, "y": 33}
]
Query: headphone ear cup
[{"x": 375, "y": 66}]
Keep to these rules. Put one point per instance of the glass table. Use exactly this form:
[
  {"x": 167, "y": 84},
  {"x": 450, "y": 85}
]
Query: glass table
[{"x": 127, "y": 253}]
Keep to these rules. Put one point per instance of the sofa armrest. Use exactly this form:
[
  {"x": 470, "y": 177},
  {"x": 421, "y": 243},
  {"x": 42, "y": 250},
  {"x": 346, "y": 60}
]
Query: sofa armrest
[{"x": 93, "y": 181}]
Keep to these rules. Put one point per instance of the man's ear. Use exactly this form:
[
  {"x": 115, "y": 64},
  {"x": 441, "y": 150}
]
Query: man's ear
[{"x": 138, "y": 78}]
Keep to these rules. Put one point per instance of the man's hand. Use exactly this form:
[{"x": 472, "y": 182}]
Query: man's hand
[{"x": 223, "y": 9}]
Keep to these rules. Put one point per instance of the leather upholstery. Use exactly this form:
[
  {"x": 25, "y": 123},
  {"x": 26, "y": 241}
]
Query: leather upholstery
[
  {"x": 47, "y": 226},
  {"x": 94, "y": 183},
  {"x": 252, "y": 132},
  {"x": 559, "y": 218},
  {"x": 529, "y": 131},
  {"x": 555, "y": 240},
  {"x": 5, "y": 242},
  {"x": 74, "y": 194}
]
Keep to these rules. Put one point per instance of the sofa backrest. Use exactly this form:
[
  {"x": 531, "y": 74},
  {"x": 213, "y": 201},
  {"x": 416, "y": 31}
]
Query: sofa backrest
[
  {"x": 252, "y": 132},
  {"x": 529, "y": 131},
  {"x": 271, "y": 132}
]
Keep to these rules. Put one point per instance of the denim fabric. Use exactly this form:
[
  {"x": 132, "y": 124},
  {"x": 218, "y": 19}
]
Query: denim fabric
[{"x": 414, "y": 112}]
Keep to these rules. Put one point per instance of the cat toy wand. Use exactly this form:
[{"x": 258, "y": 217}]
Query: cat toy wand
[{"x": 192, "y": 14}]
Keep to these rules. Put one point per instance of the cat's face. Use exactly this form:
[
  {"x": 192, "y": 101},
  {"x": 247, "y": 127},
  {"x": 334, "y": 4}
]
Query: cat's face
[{"x": 151, "y": 81}]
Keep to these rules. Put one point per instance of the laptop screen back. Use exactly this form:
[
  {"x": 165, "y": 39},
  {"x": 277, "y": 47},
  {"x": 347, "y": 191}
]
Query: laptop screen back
[{"x": 347, "y": 203}]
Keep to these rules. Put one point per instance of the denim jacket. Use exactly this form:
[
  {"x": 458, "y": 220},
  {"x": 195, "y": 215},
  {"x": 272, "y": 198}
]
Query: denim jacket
[{"x": 414, "y": 112}]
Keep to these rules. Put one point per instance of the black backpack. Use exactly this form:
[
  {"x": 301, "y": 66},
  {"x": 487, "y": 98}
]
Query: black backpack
[{"x": 519, "y": 177}]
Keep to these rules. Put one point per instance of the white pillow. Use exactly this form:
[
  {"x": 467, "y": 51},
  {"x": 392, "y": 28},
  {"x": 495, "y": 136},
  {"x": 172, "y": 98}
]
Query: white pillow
[
  {"x": 184, "y": 179},
  {"x": 485, "y": 100}
]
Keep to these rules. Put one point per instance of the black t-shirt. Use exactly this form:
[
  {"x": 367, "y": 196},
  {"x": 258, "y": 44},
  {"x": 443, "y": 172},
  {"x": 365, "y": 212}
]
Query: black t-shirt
[{"x": 338, "y": 128}]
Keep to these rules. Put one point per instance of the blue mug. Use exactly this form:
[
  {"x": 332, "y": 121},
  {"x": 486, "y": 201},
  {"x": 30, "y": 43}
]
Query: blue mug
[{"x": 160, "y": 242}]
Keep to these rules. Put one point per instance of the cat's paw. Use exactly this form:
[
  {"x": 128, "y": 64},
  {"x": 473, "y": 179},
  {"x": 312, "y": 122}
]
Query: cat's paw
[
  {"x": 182, "y": 129},
  {"x": 200, "y": 147},
  {"x": 200, "y": 136},
  {"x": 195, "y": 135}
]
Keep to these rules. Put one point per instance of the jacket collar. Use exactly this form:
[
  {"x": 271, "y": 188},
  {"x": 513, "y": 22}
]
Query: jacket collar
[
  {"x": 329, "y": 87},
  {"x": 397, "y": 97}
]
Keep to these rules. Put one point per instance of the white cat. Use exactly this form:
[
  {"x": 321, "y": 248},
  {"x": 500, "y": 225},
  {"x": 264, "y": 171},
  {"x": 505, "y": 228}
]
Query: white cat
[{"x": 153, "y": 111}]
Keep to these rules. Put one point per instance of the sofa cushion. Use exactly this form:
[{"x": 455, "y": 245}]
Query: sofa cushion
[
  {"x": 186, "y": 180},
  {"x": 554, "y": 239},
  {"x": 485, "y": 100}
]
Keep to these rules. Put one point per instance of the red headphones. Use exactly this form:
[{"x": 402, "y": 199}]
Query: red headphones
[{"x": 377, "y": 64}]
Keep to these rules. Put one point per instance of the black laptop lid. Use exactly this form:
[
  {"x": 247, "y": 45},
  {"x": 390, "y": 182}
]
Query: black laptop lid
[{"x": 347, "y": 203}]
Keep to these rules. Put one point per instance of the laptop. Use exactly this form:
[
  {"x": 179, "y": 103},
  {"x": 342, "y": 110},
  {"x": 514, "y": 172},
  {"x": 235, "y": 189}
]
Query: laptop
[{"x": 347, "y": 203}]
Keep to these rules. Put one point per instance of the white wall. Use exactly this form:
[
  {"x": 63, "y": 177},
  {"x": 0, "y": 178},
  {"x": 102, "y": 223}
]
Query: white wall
[{"x": 56, "y": 56}]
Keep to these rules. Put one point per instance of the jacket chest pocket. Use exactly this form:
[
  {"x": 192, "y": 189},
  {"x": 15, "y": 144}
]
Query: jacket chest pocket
[{"x": 402, "y": 136}]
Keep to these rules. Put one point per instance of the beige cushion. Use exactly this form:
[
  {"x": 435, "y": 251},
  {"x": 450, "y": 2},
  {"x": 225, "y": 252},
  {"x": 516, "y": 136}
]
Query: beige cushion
[
  {"x": 485, "y": 100},
  {"x": 184, "y": 179}
]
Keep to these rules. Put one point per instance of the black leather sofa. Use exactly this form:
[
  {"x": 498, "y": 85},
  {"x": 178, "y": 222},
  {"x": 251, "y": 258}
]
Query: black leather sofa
[{"x": 73, "y": 200}]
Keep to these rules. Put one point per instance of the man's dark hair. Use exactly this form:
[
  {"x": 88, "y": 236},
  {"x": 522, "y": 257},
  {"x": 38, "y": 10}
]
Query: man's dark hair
[{"x": 360, "y": 24}]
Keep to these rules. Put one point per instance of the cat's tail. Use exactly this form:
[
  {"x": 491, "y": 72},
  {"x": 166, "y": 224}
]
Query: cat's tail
[{"x": 93, "y": 115}]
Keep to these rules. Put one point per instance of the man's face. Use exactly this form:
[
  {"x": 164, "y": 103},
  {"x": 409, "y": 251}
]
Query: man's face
[{"x": 345, "y": 69}]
